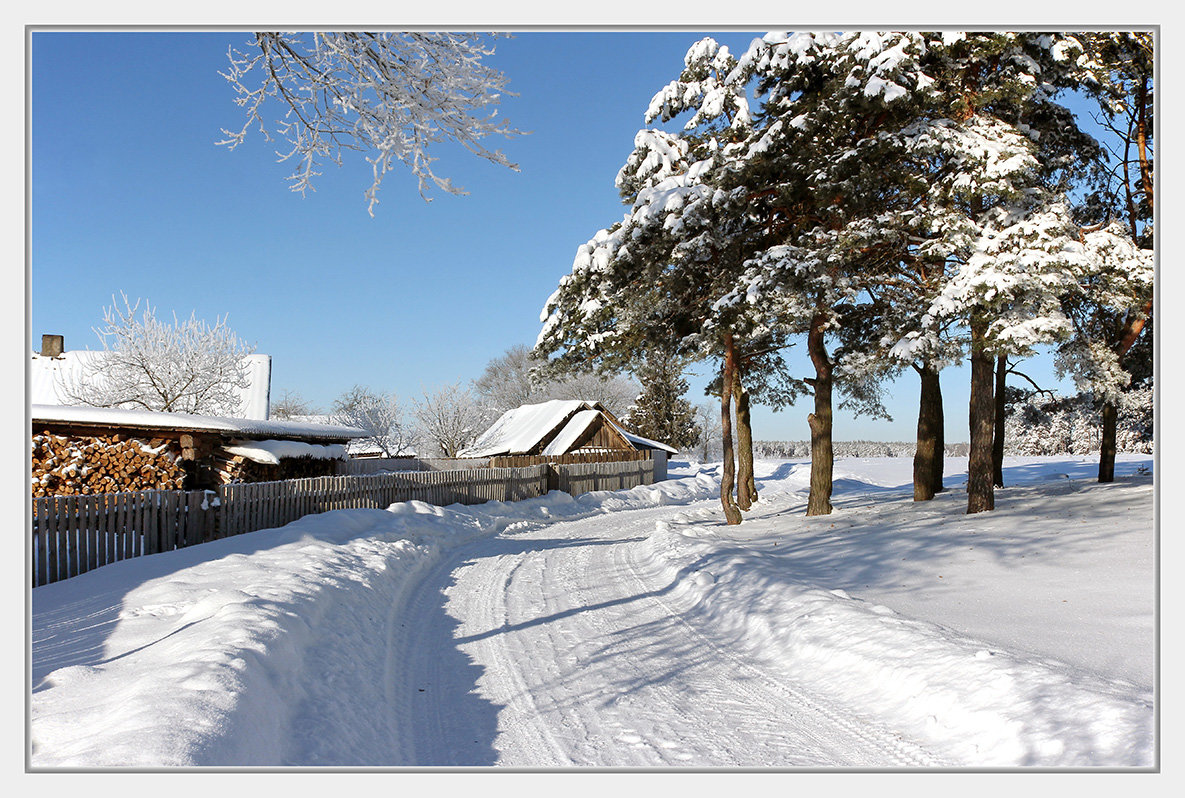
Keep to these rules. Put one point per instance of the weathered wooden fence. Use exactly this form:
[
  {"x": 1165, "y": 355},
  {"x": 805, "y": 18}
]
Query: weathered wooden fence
[
  {"x": 607, "y": 456},
  {"x": 246, "y": 507},
  {"x": 75, "y": 534},
  {"x": 577, "y": 478}
]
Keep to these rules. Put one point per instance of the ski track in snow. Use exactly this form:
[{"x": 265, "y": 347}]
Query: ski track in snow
[{"x": 594, "y": 665}]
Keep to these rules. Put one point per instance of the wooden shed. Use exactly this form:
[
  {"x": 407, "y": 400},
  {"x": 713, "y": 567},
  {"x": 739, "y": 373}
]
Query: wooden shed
[
  {"x": 563, "y": 429},
  {"x": 78, "y": 450}
]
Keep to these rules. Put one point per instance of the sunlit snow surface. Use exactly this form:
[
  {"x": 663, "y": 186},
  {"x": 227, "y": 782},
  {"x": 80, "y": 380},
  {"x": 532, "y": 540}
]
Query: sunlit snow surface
[{"x": 1021, "y": 637}]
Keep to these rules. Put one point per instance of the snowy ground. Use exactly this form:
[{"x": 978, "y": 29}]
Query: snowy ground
[{"x": 630, "y": 629}]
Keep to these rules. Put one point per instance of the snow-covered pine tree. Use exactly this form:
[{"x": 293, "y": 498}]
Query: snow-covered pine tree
[
  {"x": 654, "y": 280},
  {"x": 964, "y": 160},
  {"x": 660, "y": 412},
  {"x": 995, "y": 154},
  {"x": 1112, "y": 309},
  {"x": 874, "y": 156},
  {"x": 816, "y": 167}
]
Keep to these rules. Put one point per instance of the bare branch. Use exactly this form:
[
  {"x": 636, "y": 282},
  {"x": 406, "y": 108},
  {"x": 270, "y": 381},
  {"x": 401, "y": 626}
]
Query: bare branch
[{"x": 392, "y": 94}]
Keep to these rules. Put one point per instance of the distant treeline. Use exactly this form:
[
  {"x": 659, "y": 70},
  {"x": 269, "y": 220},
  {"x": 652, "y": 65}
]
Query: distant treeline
[
  {"x": 802, "y": 449},
  {"x": 1035, "y": 424},
  {"x": 1041, "y": 424}
]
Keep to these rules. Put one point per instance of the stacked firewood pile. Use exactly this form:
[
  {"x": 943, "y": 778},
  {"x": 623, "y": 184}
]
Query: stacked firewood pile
[
  {"x": 236, "y": 468},
  {"x": 109, "y": 464}
]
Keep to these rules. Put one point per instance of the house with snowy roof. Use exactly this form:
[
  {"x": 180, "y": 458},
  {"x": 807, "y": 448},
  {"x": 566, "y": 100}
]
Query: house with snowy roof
[
  {"x": 564, "y": 427},
  {"x": 54, "y": 369}
]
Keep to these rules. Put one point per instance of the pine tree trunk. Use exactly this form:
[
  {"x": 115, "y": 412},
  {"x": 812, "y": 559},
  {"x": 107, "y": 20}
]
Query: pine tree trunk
[
  {"x": 1108, "y": 445},
  {"x": 998, "y": 434},
  {"x": 927, "y": 458},
  {"x": 732, "y": 515},
  {"x": 939, "y": 436},
  {"x": 822, "y": 453},
  {"x": 980, "y": 493},
  {"x": 746, "y": 484}
]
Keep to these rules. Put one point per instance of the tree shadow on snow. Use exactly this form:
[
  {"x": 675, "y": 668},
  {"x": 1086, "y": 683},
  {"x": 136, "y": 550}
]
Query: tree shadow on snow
[{"x": 873, "y": 539}]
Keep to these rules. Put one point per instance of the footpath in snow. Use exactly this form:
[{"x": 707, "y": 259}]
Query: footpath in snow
[{"x": 630, "y": 629}]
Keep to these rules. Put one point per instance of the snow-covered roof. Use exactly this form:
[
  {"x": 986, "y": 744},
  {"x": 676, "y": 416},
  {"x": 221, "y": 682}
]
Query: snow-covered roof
[
  {"x": 520, "y": 430},
  {"x": 523, "y": 429},
  {"x": 47, "y": 375},
  {"x": 151, "y": 419},
  {"x": 269, "y": 452},
  {"x": 577, "y": 425},
  {"x": 645, "y": 443}
]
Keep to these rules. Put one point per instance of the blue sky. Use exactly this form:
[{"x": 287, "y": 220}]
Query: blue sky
[{"x": 130, "y": 194}]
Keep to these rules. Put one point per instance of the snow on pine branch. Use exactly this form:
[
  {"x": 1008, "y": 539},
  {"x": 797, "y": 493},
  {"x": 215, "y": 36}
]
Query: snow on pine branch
[
  {"x": 709, "y": 85},
  {"x": 393, "y": 94}
]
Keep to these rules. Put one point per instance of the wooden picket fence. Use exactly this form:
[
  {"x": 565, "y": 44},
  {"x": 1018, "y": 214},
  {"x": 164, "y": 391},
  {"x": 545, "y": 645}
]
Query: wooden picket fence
[
  {"x": 578, "y": 478},
  {"x": 76, "y": 534},
  {"x": 248, "y": 506}
]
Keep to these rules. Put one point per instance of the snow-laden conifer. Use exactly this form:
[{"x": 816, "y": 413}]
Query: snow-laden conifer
[{"x": 898, "y": 199}]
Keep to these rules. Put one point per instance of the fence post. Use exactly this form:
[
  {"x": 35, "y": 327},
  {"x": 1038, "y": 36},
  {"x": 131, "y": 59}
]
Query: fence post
[
  {"x": 40, "y": 541},
  {"x": 57, "y": 542}
]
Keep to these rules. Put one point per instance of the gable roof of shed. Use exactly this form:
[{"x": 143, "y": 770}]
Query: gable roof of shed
[
  {"x": 522, "y": 429},
  {"x": 577, "y": 425},
  {"x": 554, "y": 425}
]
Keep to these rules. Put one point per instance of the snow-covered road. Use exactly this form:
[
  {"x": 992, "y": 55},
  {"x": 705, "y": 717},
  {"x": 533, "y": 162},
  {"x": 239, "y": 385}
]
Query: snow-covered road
[
  {"x": 577, "y": 651},
  {"x": 629, "y": 629}
]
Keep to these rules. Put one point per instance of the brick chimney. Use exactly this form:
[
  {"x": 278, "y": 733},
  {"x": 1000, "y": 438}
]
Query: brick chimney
[{"x": 52, "y": 345}]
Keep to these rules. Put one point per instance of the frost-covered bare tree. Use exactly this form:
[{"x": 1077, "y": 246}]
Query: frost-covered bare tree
[
  {"x": 513, "y": 379},
  {"x": 506, "y": 383},
  {"x": 451, "y": 418},
  {"x": 707, "y": 418},
  {"x": 291, "y": 405},
  {"x": 185, "y": 367},
  {"x": 616, "y": 394},
  {"x": 379, "y": 415},
  {"x": 392, "y": 94}
]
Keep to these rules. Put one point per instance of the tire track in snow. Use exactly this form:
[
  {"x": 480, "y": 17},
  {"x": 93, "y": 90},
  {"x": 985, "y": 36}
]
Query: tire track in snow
[
  {"x": 585, "y": 659},
  {"x": 521, "y": 710}
]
